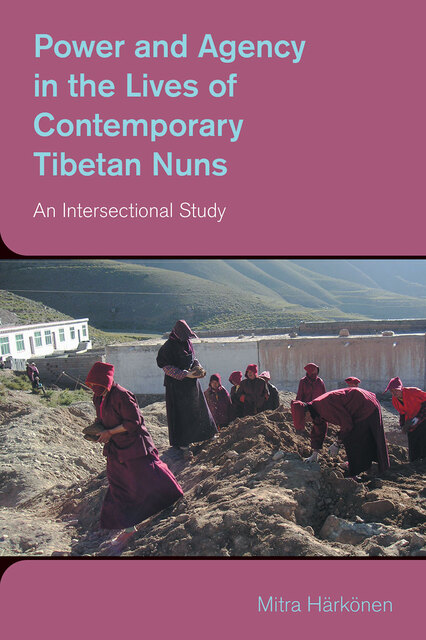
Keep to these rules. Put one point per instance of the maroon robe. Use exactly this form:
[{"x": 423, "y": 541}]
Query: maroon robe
[
  {"x": 219, "y": 404},
  {"x": 255, "y": 394},
  {"x": 273, "y": 402},
  {"x": 236, "y": 405},
  {"x": 358, "y": 414},
  {"x": 310, "y": 389},
  {"x": 140, "y": 484},
  {"x": 33, "y": 375},
  {"x": 188, "y": 416}
]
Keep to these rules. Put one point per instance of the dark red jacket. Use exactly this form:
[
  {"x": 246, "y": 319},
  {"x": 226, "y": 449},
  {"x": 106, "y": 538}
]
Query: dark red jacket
[
  {"x": 310, "y": 389},
  {"x": 345, "y": 407},
  {"x": 119, "y": 406},
  {"x": 219, "y": 404},
  {"x": 255, "y": 394}
]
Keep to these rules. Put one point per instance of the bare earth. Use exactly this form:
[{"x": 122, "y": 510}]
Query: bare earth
[{"x": 248, "y": 493}]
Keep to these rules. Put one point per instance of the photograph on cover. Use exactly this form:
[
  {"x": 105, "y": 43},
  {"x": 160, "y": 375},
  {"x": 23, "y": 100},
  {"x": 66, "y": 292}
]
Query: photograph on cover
[{"x": 218, "y": 408}]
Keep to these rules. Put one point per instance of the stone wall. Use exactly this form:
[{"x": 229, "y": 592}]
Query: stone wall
[{"x": 76, "y": 365}]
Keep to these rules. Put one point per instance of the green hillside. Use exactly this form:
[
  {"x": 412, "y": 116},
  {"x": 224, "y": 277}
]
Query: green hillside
[
  {"x": 372, "y": 288},
  {"x": 149, "y": 295},
  {"x": 122, "y": 296},
  {"x": 218, "y": 271}
]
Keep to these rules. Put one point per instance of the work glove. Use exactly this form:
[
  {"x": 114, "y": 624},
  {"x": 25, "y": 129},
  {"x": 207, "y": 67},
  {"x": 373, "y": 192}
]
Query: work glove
[
  {"x": 312, "y": 458},
  {"x": 333, "y": 450}
]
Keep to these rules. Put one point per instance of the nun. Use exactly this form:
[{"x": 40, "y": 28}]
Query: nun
[
  {"x": 188, "y": 416},
  {"x": 358, "y": 414},
  {"x": 311, "y": 385},
  {"x": 140, "y": 484},
  {"x": 410, "y": 402}
]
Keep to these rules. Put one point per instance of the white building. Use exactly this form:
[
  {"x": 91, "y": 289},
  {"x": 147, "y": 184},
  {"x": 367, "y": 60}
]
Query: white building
[{"x": 43, "y": 339}]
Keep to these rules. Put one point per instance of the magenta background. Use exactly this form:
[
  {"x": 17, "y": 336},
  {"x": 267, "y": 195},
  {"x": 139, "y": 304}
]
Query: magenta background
[
  {"x": 339, "y": 175},
  {"x": 338, "y": 158},
  {"x": 204, "y": 599}
]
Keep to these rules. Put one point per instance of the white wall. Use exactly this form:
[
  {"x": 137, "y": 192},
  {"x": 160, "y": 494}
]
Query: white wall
[
  {"x": 373, "y": 359},
  {"x": 137, "y": 370}
]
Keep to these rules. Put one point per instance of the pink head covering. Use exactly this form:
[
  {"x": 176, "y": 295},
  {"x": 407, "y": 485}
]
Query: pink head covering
[
  {"x": 298, "y": 414},
  {"x": 182, "y": 331},
  {"x": 265, "y": 375},
  {"x": 351, "y": 381},
  {"x": 236, "y": 377},
  {"x": 311, "y": 367},
  {"x": 252, "y": 367},
  {"x": 100, "y": 377},
  {"x": 394, "y": 383},
  {"x": 216, "y": 376}
]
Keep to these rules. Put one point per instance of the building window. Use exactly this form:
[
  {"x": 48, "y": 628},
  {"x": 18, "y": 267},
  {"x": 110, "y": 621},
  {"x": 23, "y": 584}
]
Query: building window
[
  {"x": 84, "y": 330},
  {"x": 4, "y": 346},
  {"x": 20, "y": 345},
  {"x": 37, "y": 339},
  {"x": 72, "y": 333},
  {"x": 61, "y": 335},
  {"x": 48, "y": 336}
]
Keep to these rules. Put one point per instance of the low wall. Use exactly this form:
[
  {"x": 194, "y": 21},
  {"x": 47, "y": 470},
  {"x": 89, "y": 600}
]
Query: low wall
[
  {"x": 362, "y": 327},
  {"x": 328, "y": 328},
  {"x": 76, "y": 365},
  {"x": 373, "y": 359},
  {"x": 136, "y": 367}
]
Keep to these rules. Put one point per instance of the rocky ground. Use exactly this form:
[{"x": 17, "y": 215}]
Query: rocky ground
[{"x": 248, "y": 493}]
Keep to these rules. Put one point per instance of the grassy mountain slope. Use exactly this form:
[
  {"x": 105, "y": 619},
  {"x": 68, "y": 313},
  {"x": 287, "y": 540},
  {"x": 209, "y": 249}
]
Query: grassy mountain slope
[
  {"x": 149, "y": 295},
  {"x": 252, "y": 276},
  {"x": 347, "y": 270},
  {"x": 353, "y": 286},
  {"x": 213, "y": 270},
  {"x": 405, "y": 277},
  {"x": 372, "y": 302},
  {"x": 130, "y": 297}
]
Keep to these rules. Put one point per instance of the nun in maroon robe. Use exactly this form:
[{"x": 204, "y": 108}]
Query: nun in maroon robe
[
  {"x": 253, "y": 392},
  {"x": 140, "y": 484},
  {"x": 188, "y": 416},
  {"x": 273, "y": 401},
  {"x": 33, "y": 374},
  {"x": 358, "y": 414},
  {"x": 218, "y": 401},
  {"x": 310, "y": 386},
  {"x": 237, "y": 407},
  {"x": 351, "y": 381},
  {"x": 410, "y": 402}
]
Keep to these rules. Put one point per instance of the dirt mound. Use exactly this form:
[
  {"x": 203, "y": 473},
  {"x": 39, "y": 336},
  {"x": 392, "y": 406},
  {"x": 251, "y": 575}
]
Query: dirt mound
[{"x": 247, "y": 493}]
